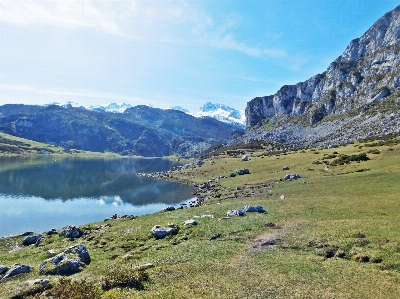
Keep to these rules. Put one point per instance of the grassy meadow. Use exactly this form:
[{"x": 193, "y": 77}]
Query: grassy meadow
[{"x": 333, "y": 233}]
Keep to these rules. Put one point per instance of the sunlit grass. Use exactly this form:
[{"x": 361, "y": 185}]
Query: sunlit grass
[{"x": 353, "y": 214}]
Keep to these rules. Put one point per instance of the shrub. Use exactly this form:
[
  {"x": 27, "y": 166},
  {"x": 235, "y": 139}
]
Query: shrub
[
  {"x": 67, "y": 288},
  {"x": 345, "y": 159},
  {"x": 126, "y": 277}
]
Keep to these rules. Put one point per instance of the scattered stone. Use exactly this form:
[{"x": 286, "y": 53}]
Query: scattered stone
[
  {"x": 159, "y": 232},
  {"x": 30, "y": 240},
  {"x": 53, "y": 231},
  {"x": 292, "y": 176},
  {"x": 42, "y": 282},
  {"x": 245, "y": 158},
  {"x": 51, "y": 252},
  {"x": 232, "y": 175},
  {"x": 242, "y": 171},
  {"x": 282, "y": 197},
  {"x": 15, "y": 270},
  {"x": 68, "y": 262},
  {"x": 127, "y": 256},
  {"x": 326, "y": 168},
  {"x": 190, "y": 222},
  {"x": 256, "y": 209},
  {"x": 168, "y": 209},
  {"x": 3, "y": 269},
  {"x": 116, "y": 216},
  {"x": 231, "y": 213},
  {"x": 285, "y": 168},
  {"x": 71, "y": 231}
]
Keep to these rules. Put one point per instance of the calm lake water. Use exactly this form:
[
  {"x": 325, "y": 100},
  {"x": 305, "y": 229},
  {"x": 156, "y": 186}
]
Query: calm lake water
[{"x": 40, "y": 193}]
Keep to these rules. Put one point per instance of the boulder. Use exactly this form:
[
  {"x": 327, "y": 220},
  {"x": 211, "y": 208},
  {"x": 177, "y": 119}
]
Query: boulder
[
  {"x": 241, "y": 171},
  {"x": 231, "y": 213},
  {"x": 68, "y": 262},
  {"x": 232, "y": 175},
  {"x": 285, "y": 168},
  {"x": 291, "y": 176},
  {"x": 251, "y": 209},
  {"x": 169, "y": 209},
  {"x": 245, "y": 158},
  {"x": 71, "y": 231},
  {"x": 15, "y": 270},
  {"x": 53, "y": 231},
  {"x": 191, "y": 222},
  {"x": 30, "y": 240},
  {"x": 159, "y": 232}
]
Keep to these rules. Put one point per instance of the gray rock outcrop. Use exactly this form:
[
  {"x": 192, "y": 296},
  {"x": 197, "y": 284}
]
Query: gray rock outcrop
[
  {"x": 292, "y": 176},
  {"x": 159, "y": 232},
  {"x": 68, "y": 262},
  {"x": 232, "y": 213},
  {"x": 15, "y": 270},
  {"x": 251, "y": 209},
  {"x": 71, "y": 231},
  {"x": 30, "y": 240}
]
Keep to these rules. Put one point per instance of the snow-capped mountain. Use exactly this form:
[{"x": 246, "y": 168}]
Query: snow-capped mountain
[
  {"x": 179, "y": 108},
  {"x": 222, "y": 113},
  {"x": 113, "y": 107}
]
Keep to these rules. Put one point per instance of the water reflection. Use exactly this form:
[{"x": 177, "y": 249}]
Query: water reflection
[
  {"x": 71, "y": 178},
  {"x": 37, "y": 194}
]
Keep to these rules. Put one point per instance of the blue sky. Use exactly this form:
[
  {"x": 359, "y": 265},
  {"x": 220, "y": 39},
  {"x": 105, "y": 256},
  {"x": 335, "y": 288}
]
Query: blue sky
[{"x": 171, "y": 53}]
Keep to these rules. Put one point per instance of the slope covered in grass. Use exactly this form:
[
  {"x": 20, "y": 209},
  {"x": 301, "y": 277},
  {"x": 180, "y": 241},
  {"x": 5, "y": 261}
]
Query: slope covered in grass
[{"x": 334, "y": 235}]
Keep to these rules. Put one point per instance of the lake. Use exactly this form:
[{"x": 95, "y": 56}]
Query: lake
[{"x": 38, "y": 193}]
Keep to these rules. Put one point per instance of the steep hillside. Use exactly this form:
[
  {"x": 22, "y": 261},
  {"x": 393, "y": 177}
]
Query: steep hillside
[
  {"x": 140, "y": 130},
  {"x": 361, "y": 83}
]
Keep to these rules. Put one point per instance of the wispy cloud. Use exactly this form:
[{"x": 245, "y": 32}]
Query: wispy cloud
[
  {"x": 81, "y": 93},
  {"x": 230, "y": 43},
  {"x": 101, "y": 15}
]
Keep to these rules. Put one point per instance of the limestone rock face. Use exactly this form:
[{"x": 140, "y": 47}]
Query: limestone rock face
[{"x": 367, "y": 72}]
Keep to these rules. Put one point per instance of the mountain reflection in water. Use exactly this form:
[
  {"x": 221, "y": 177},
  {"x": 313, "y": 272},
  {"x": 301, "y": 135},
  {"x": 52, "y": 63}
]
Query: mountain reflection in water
[{"x": 80, "y": 190}]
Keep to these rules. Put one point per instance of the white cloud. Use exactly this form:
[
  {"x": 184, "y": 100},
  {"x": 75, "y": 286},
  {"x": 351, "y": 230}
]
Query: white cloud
[{"x": 81, "y": 93}]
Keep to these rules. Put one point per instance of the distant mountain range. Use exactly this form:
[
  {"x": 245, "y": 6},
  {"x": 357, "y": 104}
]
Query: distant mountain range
[
  {"x": 139, "y": 130},
  {"x": 219, "y": 112}
]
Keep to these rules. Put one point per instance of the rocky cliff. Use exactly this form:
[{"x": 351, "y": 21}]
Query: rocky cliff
[{"x": 365, "y": 75}]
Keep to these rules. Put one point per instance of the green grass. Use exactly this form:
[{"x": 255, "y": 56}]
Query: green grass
[{"x": 354, "y": 212}]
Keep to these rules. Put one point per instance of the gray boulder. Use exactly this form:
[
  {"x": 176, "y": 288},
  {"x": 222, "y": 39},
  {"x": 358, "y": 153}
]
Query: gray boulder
[
  {"x": 30, "y": 240},
  {"x": 191, "y": 222},
  {"x": 15, "y": 270},
  {"x": 241, "y": 171},
  {"x": 285, "y": 168},
  {"x": 71, "y": 231},
  {"x": 159, "y": 232},
  {"x": 231, "y": 213},
  {"x": 245, "y": 158},
  {"x": 251, "y": 209},
  {"x": 3, "y": 269},
  {"x": 68, "y": 262},
  {"x": 292, "y": 176}
]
